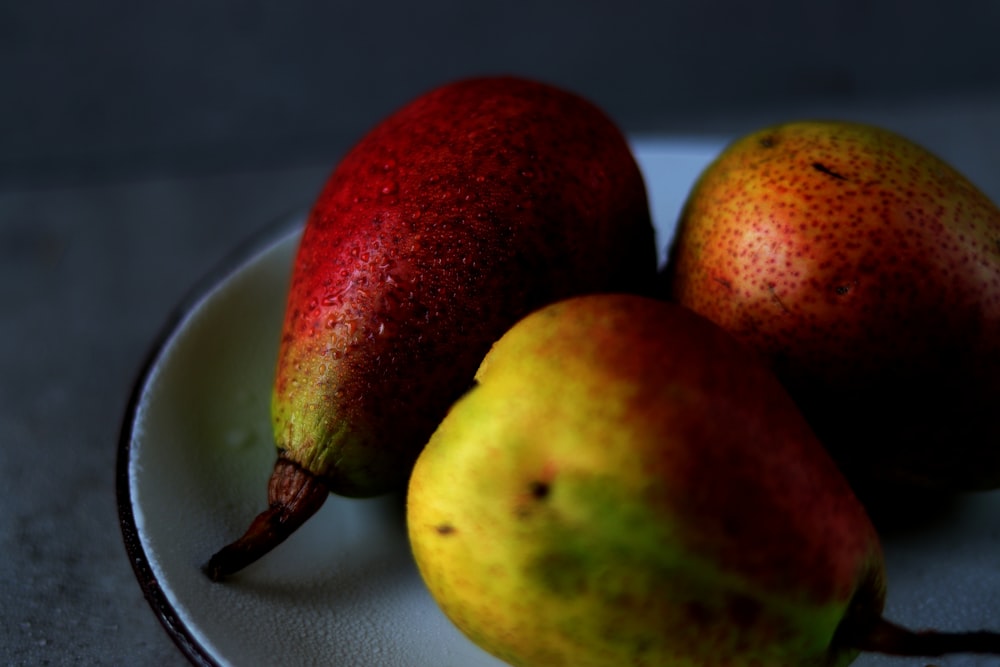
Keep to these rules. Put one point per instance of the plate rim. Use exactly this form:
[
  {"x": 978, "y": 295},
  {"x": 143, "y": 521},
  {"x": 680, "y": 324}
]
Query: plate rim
[{"x": 243, "y": 254}]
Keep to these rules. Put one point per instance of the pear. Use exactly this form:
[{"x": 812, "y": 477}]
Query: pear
[
  {"x": 626, "y": 484},
  {"x": 866, "y": 270},
  {"x": 473, "y": 204}
]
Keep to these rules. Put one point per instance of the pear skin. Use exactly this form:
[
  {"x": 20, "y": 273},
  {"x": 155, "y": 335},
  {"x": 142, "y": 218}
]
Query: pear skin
[
  {"x": 866, "y": 271},
  {"x": 451, "y": 219},
  {"x": 626, "y": 484}
]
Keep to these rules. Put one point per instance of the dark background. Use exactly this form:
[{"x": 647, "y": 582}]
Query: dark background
[
  {"x": 141, "y": 142},
  {"x": 113, "y": 89}
]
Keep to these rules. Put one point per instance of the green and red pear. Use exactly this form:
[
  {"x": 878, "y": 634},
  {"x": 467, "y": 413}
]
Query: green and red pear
[
  {"x": 627, "y": 484},
  {"x": 452, "y": 218}
]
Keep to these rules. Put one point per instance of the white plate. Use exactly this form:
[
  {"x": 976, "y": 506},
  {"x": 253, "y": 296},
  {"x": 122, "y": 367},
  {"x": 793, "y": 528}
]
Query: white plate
[{"x": 195, "y": 455}]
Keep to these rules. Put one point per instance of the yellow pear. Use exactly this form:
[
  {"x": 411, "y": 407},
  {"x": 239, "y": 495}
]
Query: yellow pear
[{"x": 628, "y": 485}]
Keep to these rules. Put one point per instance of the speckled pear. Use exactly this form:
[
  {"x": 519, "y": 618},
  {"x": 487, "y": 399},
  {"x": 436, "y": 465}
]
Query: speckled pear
[
  {"x": 470, "y": 206},
  {"x": 628, "y": 485},
  {"x": 866, "y": 270}
]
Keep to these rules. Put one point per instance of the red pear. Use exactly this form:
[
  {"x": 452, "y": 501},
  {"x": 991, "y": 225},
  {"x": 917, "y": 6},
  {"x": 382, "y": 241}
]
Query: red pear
[
  {"x": 867, "y": 271},
  {"x": 466, "y": 209}
]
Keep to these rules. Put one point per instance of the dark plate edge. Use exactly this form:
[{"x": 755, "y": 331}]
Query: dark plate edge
[{"x": 153, "y": 593}]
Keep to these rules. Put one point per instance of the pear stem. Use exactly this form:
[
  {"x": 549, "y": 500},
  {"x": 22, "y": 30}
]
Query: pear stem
[
  {"x": 888, "y": 638},
  {"x": 294, "y": 494}
]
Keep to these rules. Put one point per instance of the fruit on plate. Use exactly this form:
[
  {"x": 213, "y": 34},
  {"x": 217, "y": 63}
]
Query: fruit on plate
[
  {"x": 452, "y": 218},
  {"x": 626, "y": 484},
  {"x": 867, "y": 271}
]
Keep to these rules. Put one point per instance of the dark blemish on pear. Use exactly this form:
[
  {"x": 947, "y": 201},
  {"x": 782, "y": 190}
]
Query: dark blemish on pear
[
  {"x": 725, "y": 283},
  {"x": 768, "y": 142},
  {"x": 823, "y": 169},
  {"x": 445, "y": 529},
  {"x": 777, "y": 299},
  {"x": 539, "y": 490},
  {"x": 845, "y": 288}
]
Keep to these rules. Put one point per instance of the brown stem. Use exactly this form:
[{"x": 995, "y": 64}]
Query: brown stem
[
  {"x": 293, "y": 494},
  {"x": 885, "y": 637}
]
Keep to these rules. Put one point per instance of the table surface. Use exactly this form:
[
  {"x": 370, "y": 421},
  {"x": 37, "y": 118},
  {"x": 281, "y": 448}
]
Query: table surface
[{"x": 88, "y": 277}]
